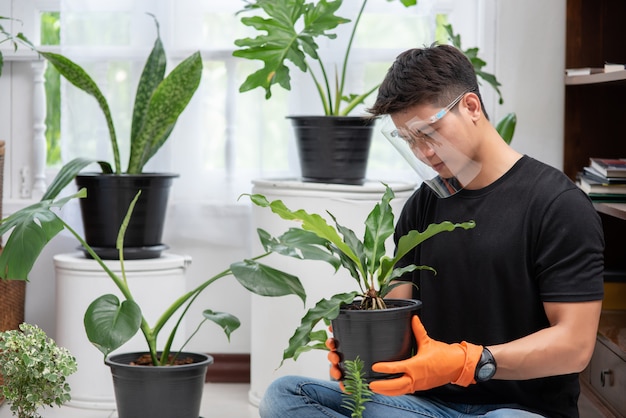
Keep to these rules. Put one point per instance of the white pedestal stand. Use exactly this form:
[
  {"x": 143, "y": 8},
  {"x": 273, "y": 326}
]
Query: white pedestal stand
[
  {"x": 274, "y": 320},
  {"x": 155, "y": 284}
]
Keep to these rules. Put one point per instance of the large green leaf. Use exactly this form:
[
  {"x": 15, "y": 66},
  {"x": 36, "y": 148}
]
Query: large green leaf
[
  {"x": 266, "y": 281},
  {"x": 310, "y": 222},
  {"x": 76, "y": 75},
  {"x": 282, "y": 41},
  {"x": 109, "y": 324},
  {"x": 65, "y": 176},
  {"x": 152, "y": 74},
  {"x": 506, "y": 127},
  {"x": 317, "y": 341},
  {"x": 477, "y": 63},
  {"x": 378, "y": 227},
  {"x": 298, "y": 243},
  {"x": 32, "y": 228},
  {"x": 414, "y": 238},
  {"x": 325, "y": 309},
  {"x": 226, "y": 321},
  {"x": 166, "y": 104}
]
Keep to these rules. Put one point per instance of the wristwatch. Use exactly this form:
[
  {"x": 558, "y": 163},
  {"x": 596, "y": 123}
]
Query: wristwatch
[{"x": 486, "y": 367}]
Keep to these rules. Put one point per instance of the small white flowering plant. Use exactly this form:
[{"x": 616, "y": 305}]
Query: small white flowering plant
[{"x": 34, "y": 370}]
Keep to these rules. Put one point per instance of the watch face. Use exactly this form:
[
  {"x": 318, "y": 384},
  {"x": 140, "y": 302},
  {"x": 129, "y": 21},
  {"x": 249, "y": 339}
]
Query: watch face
[{"x": 486, "y": 371}]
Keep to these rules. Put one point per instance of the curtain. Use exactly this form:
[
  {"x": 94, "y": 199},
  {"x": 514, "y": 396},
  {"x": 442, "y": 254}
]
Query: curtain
[{"x": 224, "y": 139}]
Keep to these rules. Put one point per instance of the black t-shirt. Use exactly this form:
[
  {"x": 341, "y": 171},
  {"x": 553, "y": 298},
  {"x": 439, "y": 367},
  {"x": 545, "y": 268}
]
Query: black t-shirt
[{"x": 537, "y": 239}]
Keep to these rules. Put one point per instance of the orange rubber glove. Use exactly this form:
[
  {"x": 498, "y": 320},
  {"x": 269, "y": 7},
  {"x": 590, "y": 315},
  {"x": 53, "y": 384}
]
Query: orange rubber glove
[
  {"x": 333, "y": 357},
  {"x": 435, "y": 364}
]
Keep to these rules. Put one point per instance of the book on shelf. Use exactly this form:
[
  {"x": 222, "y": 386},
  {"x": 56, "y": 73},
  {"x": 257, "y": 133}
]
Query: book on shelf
[
  {"x": 594, "y": 185},
  {"x": 594, "y": 174},
  {"x": 609, "y": 167},
  {"x": 607, "y": 198},
  {"x": 583, "y": 71},
  {"x": 610, "y": 67}
]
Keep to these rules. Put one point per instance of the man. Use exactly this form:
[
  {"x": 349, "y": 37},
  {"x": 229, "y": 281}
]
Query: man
[{"x": 512, "y": 314}]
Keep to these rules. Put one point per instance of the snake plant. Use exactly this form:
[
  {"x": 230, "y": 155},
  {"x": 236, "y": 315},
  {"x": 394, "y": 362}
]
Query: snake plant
[{"x": 159, "y": 101}]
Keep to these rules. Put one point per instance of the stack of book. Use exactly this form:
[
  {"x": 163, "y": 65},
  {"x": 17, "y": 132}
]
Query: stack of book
[{"x": 604, "y": 180}]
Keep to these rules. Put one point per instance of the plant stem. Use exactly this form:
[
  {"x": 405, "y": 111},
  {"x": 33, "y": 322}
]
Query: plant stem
[
  {"x": 149, "y": 334},
  {"x": 325, "y": 96},
  {"x": 190, "y": 296},
  {"x": 347, "y": 55}
]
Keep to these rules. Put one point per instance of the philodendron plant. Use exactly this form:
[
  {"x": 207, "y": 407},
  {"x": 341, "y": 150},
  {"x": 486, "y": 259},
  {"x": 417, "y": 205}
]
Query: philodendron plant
[
  {"x": 289, "y": 29},
  {"x": 159, "y": 101},
  {"x": 109, "y": 321},
  {"x": 365, "y": 259}
]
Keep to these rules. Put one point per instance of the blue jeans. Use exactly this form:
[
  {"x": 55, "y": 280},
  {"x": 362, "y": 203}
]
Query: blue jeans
[{"x": 301, "y": 397}]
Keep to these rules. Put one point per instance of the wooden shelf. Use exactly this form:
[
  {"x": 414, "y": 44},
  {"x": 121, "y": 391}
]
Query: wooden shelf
[
  {"x": 612, "y": 329},
  {"x": 617, "y": 210},
  {"x": 595, "y": 78},
  {"x": 593, "y": 126}
]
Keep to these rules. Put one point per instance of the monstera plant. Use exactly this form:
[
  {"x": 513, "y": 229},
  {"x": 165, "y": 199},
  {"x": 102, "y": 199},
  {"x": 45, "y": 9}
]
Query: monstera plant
[
  {"x": 333, "y": 147},
  {"x": 288, "y": 32}
]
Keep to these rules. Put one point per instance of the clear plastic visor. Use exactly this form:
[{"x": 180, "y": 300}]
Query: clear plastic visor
[{"x": 437, "y": 160}]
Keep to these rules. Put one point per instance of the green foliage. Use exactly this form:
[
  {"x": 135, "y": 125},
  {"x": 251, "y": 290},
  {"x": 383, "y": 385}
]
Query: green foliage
[
  {"x": 34, "y": 369},
  {"x": 111, "y": 322},
  {"x": 289, "y": 29},
  {"x": 159, "y": 100},
  {"x": 478, "y": 63},
  {"x": 50, "y": 35},
  {"x": 357, "y": 391},
  {"x": 33, "y": 227},
  {"x": 6, "y": 36},
  {"x": 506, "y": 126},
  {"x": 365, "y": 259}
]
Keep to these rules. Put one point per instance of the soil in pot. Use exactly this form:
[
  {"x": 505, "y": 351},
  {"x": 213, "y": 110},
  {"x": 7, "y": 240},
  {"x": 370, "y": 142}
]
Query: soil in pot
[
  {"x": 158, "y": 392},
  {"x": 376, "y": 335}
]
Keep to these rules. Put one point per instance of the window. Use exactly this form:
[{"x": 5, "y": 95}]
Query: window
[
  {"x": 50, "y": 30},
  {"x": 225, "y": 138}
]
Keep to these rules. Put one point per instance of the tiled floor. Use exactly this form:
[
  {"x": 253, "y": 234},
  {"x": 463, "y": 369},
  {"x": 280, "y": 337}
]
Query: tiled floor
[{"x": 226, "y": 400}]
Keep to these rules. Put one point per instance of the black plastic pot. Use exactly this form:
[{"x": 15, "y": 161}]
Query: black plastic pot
[
  {"x": 379, "y": 335},
  {"x": 106, "y": 204},
  {"x": 333, "y": 149},
  {"x": 158, "y": 392}
]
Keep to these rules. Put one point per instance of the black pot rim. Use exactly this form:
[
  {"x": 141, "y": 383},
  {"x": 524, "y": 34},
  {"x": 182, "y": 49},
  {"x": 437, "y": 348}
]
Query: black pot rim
[
  {"x": 112, "y": 360},
  {"x": 139, "y": 175},
  {"x": 406, "y": 304}
]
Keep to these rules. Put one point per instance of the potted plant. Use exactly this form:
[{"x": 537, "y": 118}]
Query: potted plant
[
  {"x": 333, "y": 148},
  {"x": 373, "y": 271},
  {"x": 110, "y": 322},
  {"x": 34, "y": 370},
  {"x": 159, "y": 101}
]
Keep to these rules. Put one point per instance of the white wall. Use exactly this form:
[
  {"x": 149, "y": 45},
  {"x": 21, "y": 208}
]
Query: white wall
[{"x": 524, "y": 45}]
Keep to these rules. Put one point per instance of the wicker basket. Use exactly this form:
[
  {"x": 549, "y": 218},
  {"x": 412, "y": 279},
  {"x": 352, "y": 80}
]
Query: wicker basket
[{"x": 12, "y": 292}]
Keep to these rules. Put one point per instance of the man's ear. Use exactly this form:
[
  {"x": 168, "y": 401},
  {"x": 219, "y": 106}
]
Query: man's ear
[{"x": 472, "y": 103}]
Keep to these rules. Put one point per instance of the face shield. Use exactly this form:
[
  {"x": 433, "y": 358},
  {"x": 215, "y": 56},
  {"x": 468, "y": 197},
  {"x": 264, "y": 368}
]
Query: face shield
[{"x": 437, "y": 160}]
